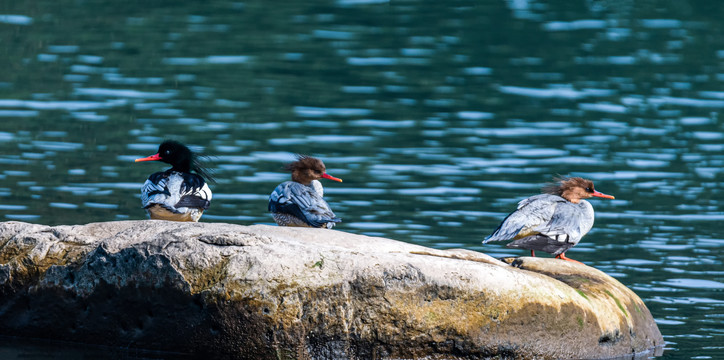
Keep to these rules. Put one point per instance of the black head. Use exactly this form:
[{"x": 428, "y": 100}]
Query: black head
[
  {"x": 175, "y": 153},
  {"x": 181, "y": 158}
]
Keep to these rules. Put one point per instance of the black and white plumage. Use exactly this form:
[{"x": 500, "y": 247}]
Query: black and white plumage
[
  {"x": 300, "y": 202},
  {"x": 552, "y": 222},
  {"x": 176, "y": 194}
]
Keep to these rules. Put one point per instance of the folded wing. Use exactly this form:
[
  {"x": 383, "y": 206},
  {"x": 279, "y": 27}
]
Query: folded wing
[
  {"x": 302, "y": 202},
  {"x": 529, "y": 219}
]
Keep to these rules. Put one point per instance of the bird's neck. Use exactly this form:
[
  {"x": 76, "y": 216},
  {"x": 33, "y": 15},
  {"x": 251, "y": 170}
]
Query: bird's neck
[
  {"x": 182, "y": 168},
  {"x": 304, "y": 180},
  {"x": 570, "y": 196}
]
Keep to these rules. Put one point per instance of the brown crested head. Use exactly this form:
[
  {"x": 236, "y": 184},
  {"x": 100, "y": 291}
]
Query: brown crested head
[
  {"x": 574, "y": 189},
  {"x": 308, "y": 168}
]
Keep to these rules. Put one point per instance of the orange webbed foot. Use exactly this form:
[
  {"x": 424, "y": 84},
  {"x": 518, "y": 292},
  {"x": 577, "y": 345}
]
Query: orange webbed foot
[{"x": 563, "y": 257}]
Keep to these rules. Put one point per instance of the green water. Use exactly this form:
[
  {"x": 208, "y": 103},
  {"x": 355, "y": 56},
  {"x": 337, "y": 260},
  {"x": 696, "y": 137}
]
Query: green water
[{"x": 439, "y": 116}]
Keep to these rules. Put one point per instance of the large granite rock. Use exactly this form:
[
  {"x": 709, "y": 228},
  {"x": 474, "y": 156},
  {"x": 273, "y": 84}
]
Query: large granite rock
[{"x": 264, "y": 292}]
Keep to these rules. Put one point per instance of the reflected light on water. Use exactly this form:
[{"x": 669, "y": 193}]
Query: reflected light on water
[{"x": 438, "y": 128}]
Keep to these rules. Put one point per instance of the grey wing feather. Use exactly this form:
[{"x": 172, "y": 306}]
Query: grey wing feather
[
  {"x": 303, "y": 202},
  {"x": 569, "y": 219},
  {"x": 532, "y": 213}
]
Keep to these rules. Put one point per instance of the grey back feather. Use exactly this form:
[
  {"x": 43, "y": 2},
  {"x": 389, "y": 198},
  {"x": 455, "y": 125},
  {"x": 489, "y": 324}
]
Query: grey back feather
[{"x": 546, "y": 214}]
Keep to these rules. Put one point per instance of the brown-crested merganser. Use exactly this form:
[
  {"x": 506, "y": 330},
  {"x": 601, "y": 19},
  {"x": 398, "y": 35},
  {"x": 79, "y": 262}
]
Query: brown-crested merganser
[
  {"x": 554, "y": 221},
  {"x": 176, "y": 194},
  {"x": 299, "y": 202}
]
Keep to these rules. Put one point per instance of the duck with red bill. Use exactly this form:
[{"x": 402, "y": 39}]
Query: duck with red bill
[
  {"x": 554, "y": 221},
  {"x": 300, "y": 202},
  {"x": 179, "y": 193}
]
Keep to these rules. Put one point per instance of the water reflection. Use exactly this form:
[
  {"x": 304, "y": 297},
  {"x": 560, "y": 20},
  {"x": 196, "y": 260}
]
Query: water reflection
[{"x": 440, "y": 117}]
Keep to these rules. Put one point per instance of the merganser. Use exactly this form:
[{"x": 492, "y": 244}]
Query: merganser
[
  {"x": 554, "y": 221},
  {"x": 176, "y": 194},
  {"x": 299, "y": 202}
]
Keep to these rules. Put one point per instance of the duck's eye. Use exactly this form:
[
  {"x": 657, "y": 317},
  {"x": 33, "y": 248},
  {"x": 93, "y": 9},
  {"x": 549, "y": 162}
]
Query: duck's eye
[
  {"x": 167, "y": 152},
  {"x": 588, "y": 189},
  {"x": 317, "y": 172}
]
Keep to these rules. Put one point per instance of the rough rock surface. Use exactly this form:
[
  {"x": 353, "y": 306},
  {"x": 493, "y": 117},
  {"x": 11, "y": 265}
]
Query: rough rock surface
[{"x": 265, "y": 292}]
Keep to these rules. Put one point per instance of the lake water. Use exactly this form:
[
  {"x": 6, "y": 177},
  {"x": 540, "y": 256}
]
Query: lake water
[{"x": 439, "y": 116}]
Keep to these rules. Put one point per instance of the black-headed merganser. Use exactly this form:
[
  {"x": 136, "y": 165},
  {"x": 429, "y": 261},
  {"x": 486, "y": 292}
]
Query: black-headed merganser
[
  {"x": 554, "y": 221},
  {"x": 176, "y": 194},
  {"x": 299, "y": 202}
]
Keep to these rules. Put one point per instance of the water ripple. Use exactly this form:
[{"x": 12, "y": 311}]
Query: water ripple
[
  {"x": 62, "y": 105},
  {"x": 693, "y": 283},
  {"x": 16, "y": 19}
]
